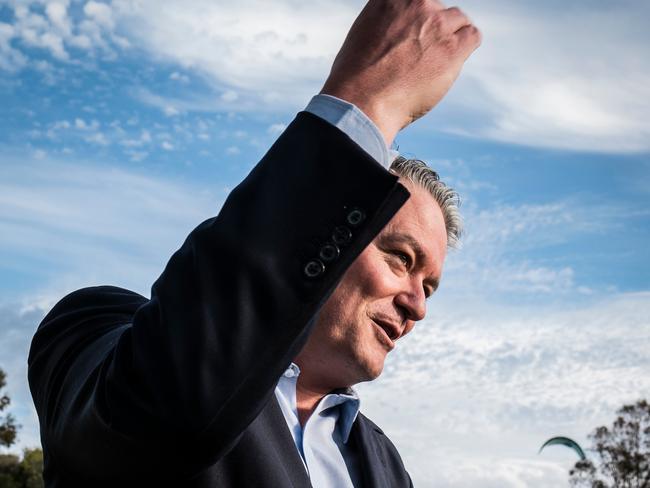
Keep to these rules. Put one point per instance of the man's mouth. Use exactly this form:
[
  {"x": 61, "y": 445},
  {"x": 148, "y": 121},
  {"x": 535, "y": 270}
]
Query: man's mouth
[{"x": 386, "y": 333}]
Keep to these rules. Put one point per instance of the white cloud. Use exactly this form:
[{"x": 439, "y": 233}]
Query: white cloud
[
  {"x": 232, "y": 150},
  {"x": 137, "y": 156},
  {"x": 176, "y": 76},
  {"x": 34, "y": 30},
  {"x": 573, "y": 80},
  {"x": 92, "y": 223},
  {"x": 570, "y": 81},
  {"x": 473, "y": 392},
  {"x": 57, "y": 12},
  {"x": 276, "y": 54},
  {"x": 144, "y": 139},
  {"x": 229, "y": 96},
  {"x": 80, "y": 123},
  {"x": 80, "y": 129},
  {"x": 543, "y": 280},
  {"x": 503, "y": 247},
  {"x": 170, "y": 110},
  {"x": 56, "y": 31},
  {"x": 49, "y": 73},
  {"x": 55, "y": 44},
  {"x": 37, "y": 31},
  {"x": 97, "y": 138},
  {"x": 11, "y": 59},
  {"x": 101, "y": 13},
  {"x": 61, "y": 124}
]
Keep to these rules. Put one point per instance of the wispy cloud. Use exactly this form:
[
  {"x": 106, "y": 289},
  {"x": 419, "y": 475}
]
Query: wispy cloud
[
  {"x": 503, "y": 250},
  {"x": 268, "y": 55},
  {"x": 120, "y": 136},
  {"x": 571, "y": 81},
  {"x": 93, "y": 223},
  {"x": 557, "y": 76},
  {"x": 476, "y": 389},
  {"x": 11, "y": 59},
  {"x": 50, "y": 25},
  {"x": 549, "y": 76}
]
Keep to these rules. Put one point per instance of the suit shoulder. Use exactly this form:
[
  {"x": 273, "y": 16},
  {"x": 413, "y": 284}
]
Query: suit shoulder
[
  {"x": 105, "y": 299},
  {"x": 85, "y": 313},
  {"x": 391, "y": 454},
  {"x": 371, "y": 424}
]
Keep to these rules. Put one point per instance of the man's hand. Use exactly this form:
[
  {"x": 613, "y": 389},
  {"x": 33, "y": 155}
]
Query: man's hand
[{"x": 399, "y": 60}]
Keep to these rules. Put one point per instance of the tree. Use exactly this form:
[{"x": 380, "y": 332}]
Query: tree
[
  {"x": 621, "y": 453},
  {"x": 31, "y": 468},
  {"x": 8, "y": 426},
  {"x": 16, "y": 472},
  {"x": 9, "y": 471},
  {"x": 22, "y": 473}
]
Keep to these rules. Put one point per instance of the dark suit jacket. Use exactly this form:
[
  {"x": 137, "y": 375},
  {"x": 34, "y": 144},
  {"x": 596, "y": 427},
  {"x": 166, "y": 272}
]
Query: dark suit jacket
[{"x": 178, "y": 390}]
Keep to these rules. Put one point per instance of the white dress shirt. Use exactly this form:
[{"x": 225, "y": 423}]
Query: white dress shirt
[{"x": 323, "y": 441}]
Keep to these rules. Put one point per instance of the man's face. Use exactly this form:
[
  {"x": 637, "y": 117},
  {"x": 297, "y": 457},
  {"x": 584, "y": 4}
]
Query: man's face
[{"x": 380, "y": 297}]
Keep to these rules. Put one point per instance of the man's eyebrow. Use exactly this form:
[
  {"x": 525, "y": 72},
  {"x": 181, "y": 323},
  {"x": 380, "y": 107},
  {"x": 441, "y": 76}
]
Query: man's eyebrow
[{"x": 420, "y": 254}]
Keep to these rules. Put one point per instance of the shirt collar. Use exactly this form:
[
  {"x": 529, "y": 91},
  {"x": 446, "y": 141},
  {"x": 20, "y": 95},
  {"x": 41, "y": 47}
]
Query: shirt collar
[{"x": 346, "y": 399}]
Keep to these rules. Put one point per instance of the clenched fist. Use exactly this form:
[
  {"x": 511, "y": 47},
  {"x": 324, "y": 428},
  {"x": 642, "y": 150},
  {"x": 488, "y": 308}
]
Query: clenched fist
[{"x": 400, "y": 58}]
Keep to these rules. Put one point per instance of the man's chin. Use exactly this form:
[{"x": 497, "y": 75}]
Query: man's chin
[
  {"x": 372, "y": 369},
  {"x": 360, "y": 368}
]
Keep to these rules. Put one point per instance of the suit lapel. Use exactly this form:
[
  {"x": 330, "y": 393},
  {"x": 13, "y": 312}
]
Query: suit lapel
[
  {"x": 291, "y": 458},
  {"x": 372, "y": 462}
]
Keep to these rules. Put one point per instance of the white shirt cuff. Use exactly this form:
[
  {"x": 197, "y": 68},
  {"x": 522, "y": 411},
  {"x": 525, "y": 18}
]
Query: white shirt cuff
[{"x": 353, "y": 122}]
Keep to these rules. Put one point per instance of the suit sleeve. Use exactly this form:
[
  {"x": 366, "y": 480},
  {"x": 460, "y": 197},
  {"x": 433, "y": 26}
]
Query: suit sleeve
[{"x": 123, "y": 384}]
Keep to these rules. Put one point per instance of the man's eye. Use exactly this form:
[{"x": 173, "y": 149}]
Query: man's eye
[{"x": 404, "y": 258}]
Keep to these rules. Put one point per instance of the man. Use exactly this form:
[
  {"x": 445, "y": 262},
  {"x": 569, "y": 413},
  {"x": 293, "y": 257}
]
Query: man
[{"x": 237, "y": 371}]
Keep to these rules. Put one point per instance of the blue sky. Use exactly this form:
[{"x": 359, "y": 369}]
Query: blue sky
[{"x": 123, "y": 124}]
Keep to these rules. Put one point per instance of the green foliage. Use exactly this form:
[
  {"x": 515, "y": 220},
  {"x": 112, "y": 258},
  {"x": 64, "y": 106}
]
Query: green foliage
[
  {"x": 22, "y": 473},
  {"x": 32, "y": 468},
  {"x": 9, "y": 471},
  {"x": 622, "y": 452},
  {"x": 8, "y": 426},
  {"x": 15, "y": 472}
]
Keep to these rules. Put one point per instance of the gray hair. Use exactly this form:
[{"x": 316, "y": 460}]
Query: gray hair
[{"x": 419, "y": 173}]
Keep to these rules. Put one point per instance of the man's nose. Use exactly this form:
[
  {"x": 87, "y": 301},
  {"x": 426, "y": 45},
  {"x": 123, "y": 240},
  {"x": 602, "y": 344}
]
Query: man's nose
[{"x": 412, "y": 300}]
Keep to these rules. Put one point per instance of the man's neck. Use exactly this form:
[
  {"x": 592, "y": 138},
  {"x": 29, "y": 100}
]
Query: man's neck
[{"x": 307, "y": 398}]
